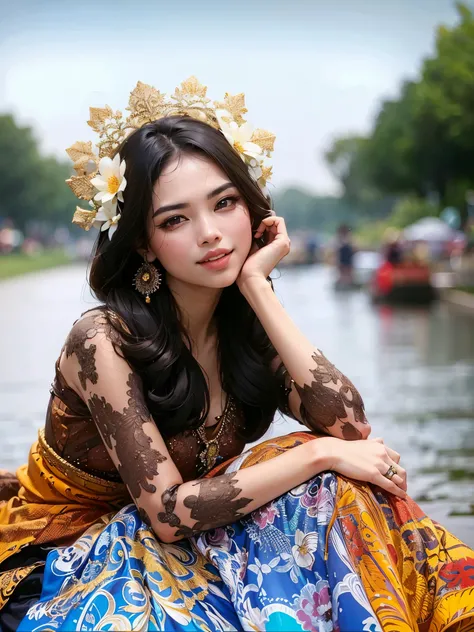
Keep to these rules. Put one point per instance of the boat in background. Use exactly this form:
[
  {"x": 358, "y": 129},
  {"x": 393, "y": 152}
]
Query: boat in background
[{"x": 407, "y": 283}]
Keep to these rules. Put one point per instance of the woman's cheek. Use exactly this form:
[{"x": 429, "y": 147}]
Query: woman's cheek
[
  {"x": 167, "y": 249},
  {"x": 243, "y": 232},
  {"x": 173, "y": 253}
]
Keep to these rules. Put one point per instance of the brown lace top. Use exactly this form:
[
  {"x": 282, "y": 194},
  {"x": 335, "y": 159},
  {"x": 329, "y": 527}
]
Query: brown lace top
[{"x": 72, "y": 433}]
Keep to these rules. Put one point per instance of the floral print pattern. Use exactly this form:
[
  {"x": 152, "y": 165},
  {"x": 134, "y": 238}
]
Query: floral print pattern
[{"x": 324, "y": 557}]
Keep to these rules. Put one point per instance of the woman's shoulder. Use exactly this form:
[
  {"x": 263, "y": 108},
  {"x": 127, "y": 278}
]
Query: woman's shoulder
[
  {"x": 99, "y": 321},
  {"x": 95, "y": 323},
  {"x": 97, "y": 331}
]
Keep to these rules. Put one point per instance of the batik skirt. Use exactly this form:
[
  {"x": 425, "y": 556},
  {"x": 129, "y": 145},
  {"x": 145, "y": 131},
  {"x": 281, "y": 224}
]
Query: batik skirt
[{"x": 329, "y": 555}]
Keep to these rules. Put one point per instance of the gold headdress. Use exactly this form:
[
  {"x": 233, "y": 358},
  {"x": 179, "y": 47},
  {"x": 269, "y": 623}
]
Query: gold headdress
[{"x": 100, "y": 179}]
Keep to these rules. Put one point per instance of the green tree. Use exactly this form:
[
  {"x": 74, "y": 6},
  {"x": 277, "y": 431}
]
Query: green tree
[
  {"x": 422, "y": 142},
  {"x": 346, "y": 159},
  {"x": 445, "y": 106},
  {"x": 391, "y": 152},
  {"x": 409, "y": 210},
  {"x": 32, "y": 186}
]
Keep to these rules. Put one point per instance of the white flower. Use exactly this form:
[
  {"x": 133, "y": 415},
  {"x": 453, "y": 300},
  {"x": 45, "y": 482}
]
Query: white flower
[
  {"x": 255, "y": 172},
  {"x": 110, "y": 182},
  {"x": 239, "y": 136},
  {"x": 304, "y": 547},
  {"x": 262, "y": 569},
  {"x": 107, "y": 218}
]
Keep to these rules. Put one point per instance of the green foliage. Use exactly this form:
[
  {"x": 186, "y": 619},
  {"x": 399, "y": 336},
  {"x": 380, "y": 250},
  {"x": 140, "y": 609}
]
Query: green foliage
[
  {"x": 18, "y": 263},
  {"x": 32, "y": 187},
  {"x": 347, "y": 159},
  {"x": 371, "y": 234},
  {"x": 406, "y": 211},
  {"x": 303, "y": 211},
  {"x": 423, "y": 141},
  {"x": 392, "y": 161},
  {"x": 409, "y": 210}
]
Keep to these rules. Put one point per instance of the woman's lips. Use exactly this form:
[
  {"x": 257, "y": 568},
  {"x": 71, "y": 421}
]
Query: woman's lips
[{"x": 217, "y": 264}]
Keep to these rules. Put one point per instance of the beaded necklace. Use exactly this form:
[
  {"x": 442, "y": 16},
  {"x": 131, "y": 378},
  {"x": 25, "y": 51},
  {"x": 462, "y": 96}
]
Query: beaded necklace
[{"x": 209, "y": 454}]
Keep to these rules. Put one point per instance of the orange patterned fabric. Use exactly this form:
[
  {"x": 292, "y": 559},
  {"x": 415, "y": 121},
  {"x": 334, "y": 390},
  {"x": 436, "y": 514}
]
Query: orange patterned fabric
[
  {"x": 56, "y": 503},
  {"x": 417, "y": 576}
]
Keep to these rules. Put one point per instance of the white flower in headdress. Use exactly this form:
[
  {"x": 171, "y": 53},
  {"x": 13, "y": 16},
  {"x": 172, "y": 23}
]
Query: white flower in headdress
[
  {"x": 257, "y": 173},
  {"x": 107, "y": 218},
  {"x": 110, "y": 182},
  {"x": 239, "y": 136},
  {"x": 255, "y": 169}
]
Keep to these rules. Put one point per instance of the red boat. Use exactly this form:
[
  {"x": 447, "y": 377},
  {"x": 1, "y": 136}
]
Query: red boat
[{"x": 404, "y": 283}]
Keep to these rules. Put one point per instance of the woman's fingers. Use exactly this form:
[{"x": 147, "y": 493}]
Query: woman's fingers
[
  {"x": 277, "y": 235},
  {"x": 389, "y": 486},
  {"x": 393, "y": 455},
  {"x": 403, "y": 475},
  {"x": 399, "y": 479},
  {"x": 265, "y": 224},
  {"x": 274, "y": 223}
]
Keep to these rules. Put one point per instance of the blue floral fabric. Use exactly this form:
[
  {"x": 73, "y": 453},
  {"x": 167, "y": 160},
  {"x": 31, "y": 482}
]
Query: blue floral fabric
[{"x": 284, "y": 567}]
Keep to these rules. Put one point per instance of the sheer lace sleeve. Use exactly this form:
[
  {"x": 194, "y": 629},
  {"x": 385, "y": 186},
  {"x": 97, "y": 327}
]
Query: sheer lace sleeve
[
  {"x": 329, "y": 404},
  {"x": 94, "y": 367}
]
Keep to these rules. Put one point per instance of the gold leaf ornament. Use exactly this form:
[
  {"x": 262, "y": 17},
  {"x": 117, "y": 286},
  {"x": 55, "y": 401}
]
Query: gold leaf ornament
[
  {"x": 85, "y": 161},
  {"x": 84, "y": 218},
  {"x": 81, "y": 187},
  {"x": 264, "y": 139},
  {"x": 147, "y": 104},
  {"x": 80, "y": 150},
  {"x": 190, "y": 99},
  {"x": 266, "y": 173},
  {"x": 191, "y": 90},
  {"x": 99, "y": 117},
  {"x": 235, "y": 105}
]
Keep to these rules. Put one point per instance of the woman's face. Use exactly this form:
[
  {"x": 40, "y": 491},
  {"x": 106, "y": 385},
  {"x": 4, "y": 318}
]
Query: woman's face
[{"x": 198, "y": 214}]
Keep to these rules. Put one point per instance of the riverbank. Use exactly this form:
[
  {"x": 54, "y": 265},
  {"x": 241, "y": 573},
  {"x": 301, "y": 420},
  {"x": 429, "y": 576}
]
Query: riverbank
[
  {"x": 459, "y": 297},
  {"x": 19, "y": 263}
]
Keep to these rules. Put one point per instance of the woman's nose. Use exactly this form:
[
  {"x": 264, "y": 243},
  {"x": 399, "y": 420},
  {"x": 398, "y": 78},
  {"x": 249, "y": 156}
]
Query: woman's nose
[{"x": 208, "y": 232}]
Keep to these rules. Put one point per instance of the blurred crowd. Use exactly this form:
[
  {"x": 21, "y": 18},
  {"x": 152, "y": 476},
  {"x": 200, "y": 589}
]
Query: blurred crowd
[
  {"x": 36, "y": 239},
  {"x": 39, "y": 237}
]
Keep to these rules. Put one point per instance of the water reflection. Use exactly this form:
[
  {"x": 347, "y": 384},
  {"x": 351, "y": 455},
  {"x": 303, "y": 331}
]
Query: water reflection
[{"x": 414, "y": 369}]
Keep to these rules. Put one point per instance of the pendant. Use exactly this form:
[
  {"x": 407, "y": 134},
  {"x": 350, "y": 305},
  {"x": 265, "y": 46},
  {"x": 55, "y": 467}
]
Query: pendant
[{"x": 209, "y": 454}]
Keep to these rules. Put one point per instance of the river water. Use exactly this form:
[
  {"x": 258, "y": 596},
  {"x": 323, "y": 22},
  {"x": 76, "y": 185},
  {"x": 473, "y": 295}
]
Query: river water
[{"x": 414, "y": 369}]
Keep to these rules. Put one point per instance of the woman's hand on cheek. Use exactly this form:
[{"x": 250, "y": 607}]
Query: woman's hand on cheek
[{"x": 261, "y": 261}]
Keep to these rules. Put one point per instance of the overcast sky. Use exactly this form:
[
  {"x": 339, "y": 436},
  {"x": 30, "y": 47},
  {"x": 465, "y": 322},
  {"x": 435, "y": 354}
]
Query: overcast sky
[{"x": 310, "y": 69}]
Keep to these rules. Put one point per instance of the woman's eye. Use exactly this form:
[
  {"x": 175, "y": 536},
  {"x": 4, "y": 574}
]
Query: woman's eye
[
  {"x": 171, "y": 222},
  {"x": 227, "y": 202}
]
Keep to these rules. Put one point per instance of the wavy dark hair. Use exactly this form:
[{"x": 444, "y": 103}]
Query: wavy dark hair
[{"x": 157, "y": 346}]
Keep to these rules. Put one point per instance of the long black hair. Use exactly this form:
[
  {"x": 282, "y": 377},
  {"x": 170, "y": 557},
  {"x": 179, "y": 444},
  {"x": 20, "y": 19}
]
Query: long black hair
[{"x": 157, "y": 346}]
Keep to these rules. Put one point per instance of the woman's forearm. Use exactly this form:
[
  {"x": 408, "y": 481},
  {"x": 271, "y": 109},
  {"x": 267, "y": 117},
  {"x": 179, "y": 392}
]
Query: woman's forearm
[
  {"x": 329, "y": 400},
  {"x": 205, "y": 504}
]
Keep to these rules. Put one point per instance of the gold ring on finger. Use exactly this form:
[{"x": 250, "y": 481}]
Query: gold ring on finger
[{"x": 390, "y": 473}]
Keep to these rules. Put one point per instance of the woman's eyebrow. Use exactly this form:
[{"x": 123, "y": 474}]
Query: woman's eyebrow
[{"x": 181, "y": 205}]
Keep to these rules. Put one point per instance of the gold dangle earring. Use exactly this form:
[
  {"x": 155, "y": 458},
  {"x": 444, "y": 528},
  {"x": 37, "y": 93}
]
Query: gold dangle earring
[{"x": 147, "y": 280}]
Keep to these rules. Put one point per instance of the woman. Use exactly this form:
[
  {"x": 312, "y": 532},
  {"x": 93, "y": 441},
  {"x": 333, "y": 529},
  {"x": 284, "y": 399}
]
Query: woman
[{"x": 138, "y": 509}]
